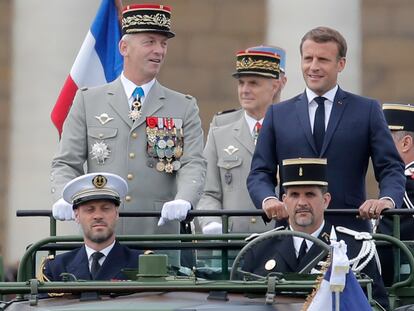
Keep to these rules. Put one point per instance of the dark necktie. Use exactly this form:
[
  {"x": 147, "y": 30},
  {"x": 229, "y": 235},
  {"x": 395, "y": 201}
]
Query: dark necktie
[
  {"x": 319, "y": 124},
  {"x": 95, "y": 264},
  {"x": 256, "y": 131},
  {"x": 302, "y": 250}
]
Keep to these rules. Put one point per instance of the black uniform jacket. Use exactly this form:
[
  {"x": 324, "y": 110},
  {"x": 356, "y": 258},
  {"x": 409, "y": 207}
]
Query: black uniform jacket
[
  {"x": 76, "y": 263},
  {"x": 282, "y": 251}
]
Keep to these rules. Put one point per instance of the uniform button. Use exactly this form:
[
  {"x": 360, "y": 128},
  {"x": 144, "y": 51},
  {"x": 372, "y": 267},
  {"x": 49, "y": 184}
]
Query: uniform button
[
  {"x": 128, "y": 198},
  {"x": 132, "y": 155},
  {"x": 134, "y": 135},
  {"x": 101, "y": 135},
  {"x": 253, "y": 220},
  {"x": 53, "y": 190},
  {"x": 130, "y": 176}
]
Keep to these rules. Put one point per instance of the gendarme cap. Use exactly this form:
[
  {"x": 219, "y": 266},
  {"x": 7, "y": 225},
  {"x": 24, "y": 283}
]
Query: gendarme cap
[
  {"x": 95, "y": 186},
  {"x": 304, "y": 172},
  {"x": 400, "y": 117}
]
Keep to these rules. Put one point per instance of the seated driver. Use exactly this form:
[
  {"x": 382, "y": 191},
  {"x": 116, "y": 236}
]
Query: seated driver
[
  {"x": 95, "y": 198},
  {"x": 306, "y": 198}
]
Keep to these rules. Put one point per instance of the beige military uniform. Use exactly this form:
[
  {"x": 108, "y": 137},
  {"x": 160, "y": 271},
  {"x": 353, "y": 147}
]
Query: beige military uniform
[
  {"x": 228, "y": 152},
  {"x": 99, "y": 117}
]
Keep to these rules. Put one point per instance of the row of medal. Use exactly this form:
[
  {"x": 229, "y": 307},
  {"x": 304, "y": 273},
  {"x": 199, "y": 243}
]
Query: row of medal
[{"x": 165, "y": 141}]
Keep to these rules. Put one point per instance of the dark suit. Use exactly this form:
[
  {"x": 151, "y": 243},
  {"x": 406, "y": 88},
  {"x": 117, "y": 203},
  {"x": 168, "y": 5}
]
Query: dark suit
[
  {"x": 406, "y": 228},
  {"x": 356, "y": 131},
  {"x": 76, "y": 262},
  {"x": 282, "y": 251}
]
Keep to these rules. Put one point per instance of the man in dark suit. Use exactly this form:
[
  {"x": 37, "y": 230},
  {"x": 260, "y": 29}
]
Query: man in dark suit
[
  {"x": 325, "y": 121},
  {"x": 305, "y": 199},
  {"x": 400, "y": 119},
  {"x": 95, "y": 199}
]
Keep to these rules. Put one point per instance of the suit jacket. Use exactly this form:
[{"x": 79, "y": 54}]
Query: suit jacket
[
  {"x": 356, "y": 132},
  {"x": 76, "y": 262},
  {"x": 228, "y": 152},
  {"x": 282, "y": 251},
  {"x": 149, "y": 189}
]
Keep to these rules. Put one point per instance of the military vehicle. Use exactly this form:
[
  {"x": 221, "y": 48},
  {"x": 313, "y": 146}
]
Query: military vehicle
[{"x": 157, "y": 286}]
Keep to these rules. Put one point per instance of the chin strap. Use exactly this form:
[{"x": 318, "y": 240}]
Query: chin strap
[{"x": 367, "y": 252}]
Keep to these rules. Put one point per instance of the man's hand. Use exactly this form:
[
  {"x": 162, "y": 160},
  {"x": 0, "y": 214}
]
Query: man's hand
[
  {"x": 275, "y": 209},
  {"x": 62, "y": 210},
  {"x": 213, "y": 228},
  {"x": 174, "y": 210},
  {"x": 373, "y": 208}
]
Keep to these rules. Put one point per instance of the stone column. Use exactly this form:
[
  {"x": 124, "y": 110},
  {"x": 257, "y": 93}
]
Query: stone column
[
  {"x": 47, "y": 35},
  {"x": 288, "y": 21}
]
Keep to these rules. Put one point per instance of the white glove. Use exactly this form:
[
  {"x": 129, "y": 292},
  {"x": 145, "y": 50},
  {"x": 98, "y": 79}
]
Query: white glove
[
  {"x": 63, "y": 210},
  {"x": 213, "y": 228},
  {"x": 174, "y": 210}
]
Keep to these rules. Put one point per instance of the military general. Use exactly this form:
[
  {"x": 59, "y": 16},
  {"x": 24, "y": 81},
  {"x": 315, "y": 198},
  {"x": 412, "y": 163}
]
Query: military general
[
  {"x": 137, "y": 128},
  {"x": 232, "y": 137}
]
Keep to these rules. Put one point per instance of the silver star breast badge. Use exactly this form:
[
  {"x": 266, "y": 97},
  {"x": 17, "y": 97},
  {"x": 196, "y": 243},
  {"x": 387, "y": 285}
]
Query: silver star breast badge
[{"x": 100, "y": 152}]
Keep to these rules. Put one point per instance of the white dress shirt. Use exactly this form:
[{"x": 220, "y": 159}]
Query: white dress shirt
[
  {"x": 129, "y": 88},
  {"x": 105, "y": 252}
]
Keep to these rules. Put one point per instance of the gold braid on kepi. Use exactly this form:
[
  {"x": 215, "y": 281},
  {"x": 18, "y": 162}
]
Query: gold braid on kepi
[{"x": 43, "y": 278}]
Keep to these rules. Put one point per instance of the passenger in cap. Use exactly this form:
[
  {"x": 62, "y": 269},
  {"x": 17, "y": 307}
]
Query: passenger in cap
[
  {"x": 95, "y": 198},
  {"x": 400, "y": 120},
  {"x": 305, "y": 199}
]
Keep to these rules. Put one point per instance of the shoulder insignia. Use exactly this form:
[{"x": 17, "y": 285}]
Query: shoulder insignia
[
  {"x": 227, "y": 111},
  {"x": 84, "y": 89},
  {"x": 188, "y": 96}
]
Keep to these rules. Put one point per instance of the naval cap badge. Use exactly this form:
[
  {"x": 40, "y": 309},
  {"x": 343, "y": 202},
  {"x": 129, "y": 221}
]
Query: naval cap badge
[{"x": 100, "y": 152}]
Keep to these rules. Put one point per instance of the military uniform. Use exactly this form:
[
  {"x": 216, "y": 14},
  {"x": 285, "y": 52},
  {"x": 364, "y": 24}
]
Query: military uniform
[
  {"x": 400, "y": 117},
  {"x": 76, "y": 262},
  {"x": 278, "y": 255},
  {"x": 99, "y": 117},
  {"x": 156, "y": 145},
  {"x": 229, "y": 150}
]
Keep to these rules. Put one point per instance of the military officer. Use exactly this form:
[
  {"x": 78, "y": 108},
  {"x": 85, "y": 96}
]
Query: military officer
[
  {"x": 95, "y": 198},
  {"x": 229, "y": 116},
  {"x": 137, "y": 128},
  {"x": 305, "y": 199},
  {"x": 400, "y": 119},
  {"x": 230, "y": 146}
]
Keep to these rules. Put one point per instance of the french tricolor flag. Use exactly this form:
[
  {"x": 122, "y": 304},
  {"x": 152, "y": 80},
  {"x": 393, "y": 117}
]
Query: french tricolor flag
[{"x": 97, "y": 62}]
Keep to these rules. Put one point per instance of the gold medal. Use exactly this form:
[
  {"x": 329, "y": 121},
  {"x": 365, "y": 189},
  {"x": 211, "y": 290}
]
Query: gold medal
[
  {"x": 160, "y": 166},
  {"x": 178, "y": 152}
]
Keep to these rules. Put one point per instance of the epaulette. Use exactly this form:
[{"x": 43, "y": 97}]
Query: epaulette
[
  {"x": 226, "y": 111},
  {"x": 188, "y": 96},
  {"x": 84, "y": 89}
]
